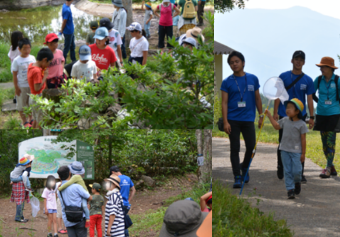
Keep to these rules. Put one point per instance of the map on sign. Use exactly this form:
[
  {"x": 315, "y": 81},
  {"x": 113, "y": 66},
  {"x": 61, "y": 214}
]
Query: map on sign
[{"x": 48, "y": 157}]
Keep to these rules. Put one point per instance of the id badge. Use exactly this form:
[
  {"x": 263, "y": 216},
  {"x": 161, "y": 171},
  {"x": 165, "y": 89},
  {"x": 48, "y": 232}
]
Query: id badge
[
  {"x": 241, "y": 104},
  {"x": 328, "y": 102}
]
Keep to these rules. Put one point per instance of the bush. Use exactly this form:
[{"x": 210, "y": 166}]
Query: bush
[{"x": 235, "y": 216}]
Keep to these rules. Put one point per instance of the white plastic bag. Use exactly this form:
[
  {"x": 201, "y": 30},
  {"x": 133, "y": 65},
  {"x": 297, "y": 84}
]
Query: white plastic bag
[{"x": 35, "y": 206}]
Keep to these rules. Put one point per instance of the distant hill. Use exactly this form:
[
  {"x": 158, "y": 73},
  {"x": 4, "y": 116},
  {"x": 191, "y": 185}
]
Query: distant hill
[{"x": 268, "y": 38}]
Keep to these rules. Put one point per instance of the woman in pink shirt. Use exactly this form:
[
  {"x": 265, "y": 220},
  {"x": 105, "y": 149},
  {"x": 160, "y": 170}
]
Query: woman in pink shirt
[
  {"x": 56, "y": 69},
  {"x": 165, "y": 22}
]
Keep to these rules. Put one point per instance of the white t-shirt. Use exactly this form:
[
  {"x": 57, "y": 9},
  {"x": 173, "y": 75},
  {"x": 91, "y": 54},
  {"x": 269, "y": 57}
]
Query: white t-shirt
[
  {"x": 20, "y": 65},
  {"x": 138, "y": 46},
  {"x": 115, "y": 40},
  {"x": 13, "y": 54},
  {"x": 84, "y": 70}
]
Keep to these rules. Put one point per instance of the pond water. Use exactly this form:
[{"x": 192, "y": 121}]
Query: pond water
[{"x": 37, "y": 23}]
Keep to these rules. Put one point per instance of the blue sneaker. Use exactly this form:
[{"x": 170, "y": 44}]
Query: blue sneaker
[
  {"x": 238, "y": 182},
  {"x": 244, "y": 171}
]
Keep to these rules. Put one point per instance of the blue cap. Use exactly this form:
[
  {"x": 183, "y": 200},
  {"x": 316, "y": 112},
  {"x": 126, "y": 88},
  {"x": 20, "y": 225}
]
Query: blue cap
[
  {"x": 101, "y": 33},
  {"x": 85, "y": 52}
]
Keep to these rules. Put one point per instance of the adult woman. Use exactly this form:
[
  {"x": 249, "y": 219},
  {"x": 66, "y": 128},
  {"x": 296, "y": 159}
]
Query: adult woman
[
  {"x": 119, "y": 21},
  {"x": 327, "y": 111},
  {"x": 103, "y": 55},
  {"x": 114, "y": 214},
  {"x": 165, "y": 22},
  {"x": 139, "y": 45}
]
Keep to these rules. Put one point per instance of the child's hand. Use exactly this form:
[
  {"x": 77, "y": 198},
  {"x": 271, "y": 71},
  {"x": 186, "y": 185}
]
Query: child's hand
[
  {"x": 302, "y": 159},
  {"x": 46, "y": 72},
  {"x": 17, "y": 91},
  {"x": 46, "y": 211},
  {"x": 266, "y": 112},
  {"x": 29, "y": 165}
]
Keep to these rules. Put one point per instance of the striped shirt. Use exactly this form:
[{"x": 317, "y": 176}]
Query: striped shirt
[{"x": 114, "y": 207}]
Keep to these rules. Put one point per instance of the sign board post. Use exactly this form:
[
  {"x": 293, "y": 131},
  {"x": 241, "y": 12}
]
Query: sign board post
[{"x": 85, "y": 155}]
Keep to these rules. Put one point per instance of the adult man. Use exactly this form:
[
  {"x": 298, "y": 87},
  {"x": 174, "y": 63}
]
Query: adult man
[
  {"x": 240, "y": 96},
  {"x": 303, "y": 86},
  {"x": 200, "y": 12},
  {"x": 72, "y": 196},
  {"x": 19, "y": 195},
  {"x": 126, "y": 185},
  {"x": 67, "y": 29}
]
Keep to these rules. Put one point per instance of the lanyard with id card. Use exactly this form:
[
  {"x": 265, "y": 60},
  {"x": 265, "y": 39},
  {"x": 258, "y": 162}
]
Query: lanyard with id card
[
  {"x": 328, "y": 101},
  {"x": 241, "y": 104}
]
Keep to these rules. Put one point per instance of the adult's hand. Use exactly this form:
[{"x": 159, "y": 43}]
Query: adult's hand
[
  {"x": 311, "y": 123},
  {"x": 260, "y": 122},
  {"x": 276, "y": 117},
  {"x": 227, "y": 128},
  {"x": 302, "y": 159},
  {"x": 199, "y": 2},
  {"x": 108, "y": 232},
  {"x": 17, "y": 91},
  {"x": 61, "y": 31}
]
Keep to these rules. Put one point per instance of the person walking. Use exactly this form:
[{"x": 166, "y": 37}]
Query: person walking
[
  {"x": 240, "y": 97},
  {"x": 67, "y": 29},
  {"x": 300, "y": 86},
  {"x": 327, "y": 111},
  {"x": 200, "y": 12},
  {"x": 127, "y": 189},
  {"x": 119, "y": 22}
]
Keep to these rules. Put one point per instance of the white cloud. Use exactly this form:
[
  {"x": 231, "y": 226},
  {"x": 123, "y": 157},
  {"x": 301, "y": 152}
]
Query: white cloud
[{"x": 325, "y": 7}]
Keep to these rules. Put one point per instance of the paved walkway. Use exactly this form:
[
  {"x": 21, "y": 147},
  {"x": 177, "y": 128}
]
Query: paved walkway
[{"x": 315, "y": 212}]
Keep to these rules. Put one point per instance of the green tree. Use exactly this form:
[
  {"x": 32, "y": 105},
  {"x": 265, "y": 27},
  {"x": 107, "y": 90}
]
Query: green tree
[{"x": 227, "y": 5}]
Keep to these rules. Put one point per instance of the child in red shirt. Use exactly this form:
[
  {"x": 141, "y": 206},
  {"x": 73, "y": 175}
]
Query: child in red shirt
[{"x": 37, "y": 74}]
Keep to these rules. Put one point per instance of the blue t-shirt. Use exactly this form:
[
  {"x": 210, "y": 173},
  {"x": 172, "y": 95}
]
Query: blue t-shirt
[
  {"x": 125, "y": 185},
  {"x": 248, "y": 84},
  {"x": 327, "y": 90},
  {"x": 302, "y": 88},
  {"x": 67, "y": 15}
]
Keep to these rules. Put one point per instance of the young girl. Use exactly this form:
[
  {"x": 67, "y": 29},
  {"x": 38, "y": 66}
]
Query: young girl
[
  {"x": 139, "y": 45},
  {"x": 147, "y": 19},
  {"x": 56, "y": 69},
  {"x": 293, "y": 144},
  {"x": 50, "y": 204},
  {"x": 14, "y": 49}
]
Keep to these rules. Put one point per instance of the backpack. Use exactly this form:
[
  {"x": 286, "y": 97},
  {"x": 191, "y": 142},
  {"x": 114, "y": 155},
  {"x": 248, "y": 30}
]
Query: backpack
[
  {"x": 189, "y": 10},
  {"x": 336, "y": 86}
]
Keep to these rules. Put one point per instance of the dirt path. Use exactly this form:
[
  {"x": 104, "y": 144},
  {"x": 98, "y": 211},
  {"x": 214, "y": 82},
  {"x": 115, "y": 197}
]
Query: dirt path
[
  {"x": 315, "y": 212},
  {"x": 142, "y": 202}
]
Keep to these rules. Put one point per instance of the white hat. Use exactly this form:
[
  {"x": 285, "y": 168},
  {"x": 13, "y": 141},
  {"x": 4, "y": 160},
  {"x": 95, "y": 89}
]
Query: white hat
[
  {"x": 134, "y": 26},
  {"x": 76, "y": 168},
  {"x": 190, "y": 41}
]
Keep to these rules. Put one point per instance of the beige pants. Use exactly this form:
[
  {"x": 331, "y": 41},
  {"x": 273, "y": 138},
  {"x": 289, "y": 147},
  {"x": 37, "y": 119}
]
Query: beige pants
[
  {"x": 59, "y": 212},
  {"x": 23, "y": 98},
  {"x": 37, "y": 114}
]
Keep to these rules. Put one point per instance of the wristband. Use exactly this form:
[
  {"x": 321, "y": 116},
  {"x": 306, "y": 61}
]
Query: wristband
[
  {"x": 311, "y": 117},
  {"x": 261, "y": 115}
]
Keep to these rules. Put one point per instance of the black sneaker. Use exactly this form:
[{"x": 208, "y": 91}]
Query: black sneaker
[
  {"x": 280, "y": 172},
  {"x": 297, "y": 188},
  {"x": 22, "y": 221},
  {"x": 303, "y": 179},
  {"x": 291, "y": 194}
]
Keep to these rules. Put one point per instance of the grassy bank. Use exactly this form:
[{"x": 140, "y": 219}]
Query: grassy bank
[
  {"x": 314, "y": 149},
  {"x": 236, "y": 217},
  {"x": 152, "y": 220}
]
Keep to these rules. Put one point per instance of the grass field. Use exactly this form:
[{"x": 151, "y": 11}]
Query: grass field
[
  {"x": 314, "y": 149},
  {"x": 236, "y": 217}
]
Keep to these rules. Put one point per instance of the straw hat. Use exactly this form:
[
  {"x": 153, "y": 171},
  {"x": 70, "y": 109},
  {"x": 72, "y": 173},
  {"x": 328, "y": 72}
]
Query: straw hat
[
  {"x": 194, "y": 33},
  {"x": 114, "y": 179},
  {"x": 327, "y": 61}
]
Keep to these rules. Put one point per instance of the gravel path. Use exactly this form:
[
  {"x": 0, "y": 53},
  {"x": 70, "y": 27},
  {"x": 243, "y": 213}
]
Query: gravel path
[{"x": 315, "y": 212}]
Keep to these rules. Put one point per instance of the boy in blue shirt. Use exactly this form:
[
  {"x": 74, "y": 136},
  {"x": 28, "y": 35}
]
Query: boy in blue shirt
[
  {"x": 240, "y": 97},
  {"x": 302, "y": 88}
]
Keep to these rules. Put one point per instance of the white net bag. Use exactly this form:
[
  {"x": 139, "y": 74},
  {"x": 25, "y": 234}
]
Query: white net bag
[
  {"x": 274, "y": 88},
  {"x": 35, "y": 206}
]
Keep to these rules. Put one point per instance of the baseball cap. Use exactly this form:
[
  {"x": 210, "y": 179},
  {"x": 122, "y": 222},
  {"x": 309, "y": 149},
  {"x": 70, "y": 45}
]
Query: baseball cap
[
  {"x": 85, "y": 52},
  {"x": 101, "y": 33},
  {"x": 299, "y": 53},
  {"x": 190, "y": 41},
  {"x": 134, "y": 26},
  {"x": 96, "y": 186},
  {"x": 105, "y": 22},
  {"x": 93, "y": 25},
  {"x": 50, "y": 37}
]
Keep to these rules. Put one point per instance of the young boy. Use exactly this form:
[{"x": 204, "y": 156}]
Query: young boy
[
  {"x": 77, "y": 170},
  {"x": 97, "y": 210},
  {"x": 22, "y": 170},
  {"x": 293, "y": 144},
  {"x": 89, "y": 37},
  {"x": 56, "y": 68},
  {"x": 85, "y": 68},
  {"x": 19, "y": 69},
  {"x": 36, "y": 77}
]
